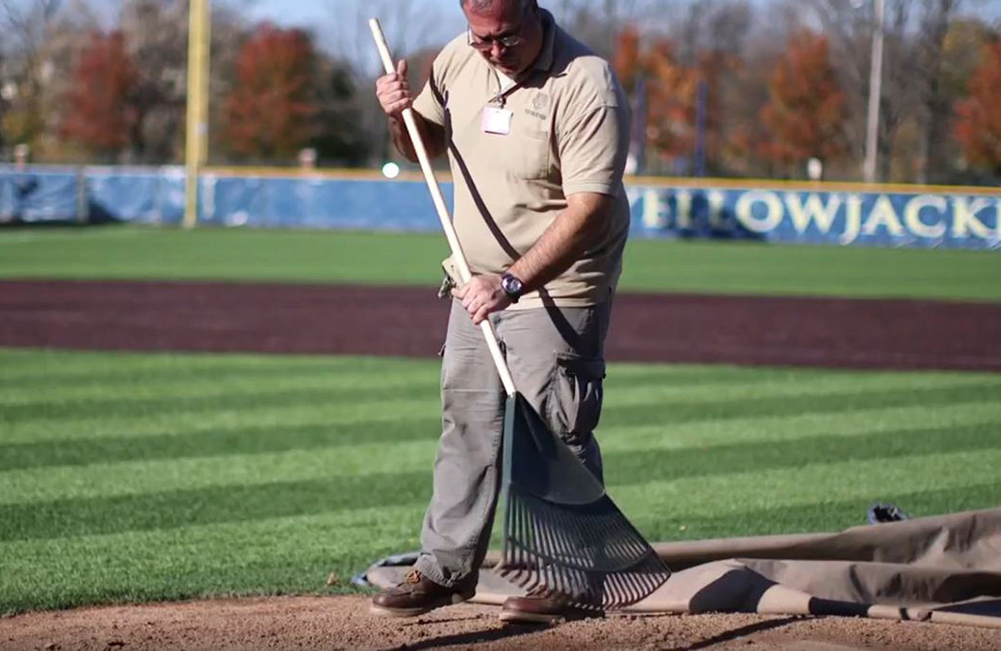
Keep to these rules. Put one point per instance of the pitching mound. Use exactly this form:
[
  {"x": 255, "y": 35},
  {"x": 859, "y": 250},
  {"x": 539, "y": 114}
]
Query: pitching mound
[{"x": 344, "y": 623}]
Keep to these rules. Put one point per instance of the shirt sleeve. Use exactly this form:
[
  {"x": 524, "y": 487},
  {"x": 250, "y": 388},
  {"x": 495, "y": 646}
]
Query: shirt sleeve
[
  {"x": 430, "y": 103},
  {"x": 593, "y": 151}
]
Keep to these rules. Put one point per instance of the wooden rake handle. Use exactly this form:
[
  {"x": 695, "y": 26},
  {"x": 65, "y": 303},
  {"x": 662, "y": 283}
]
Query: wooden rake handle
[{"x": 439, "y": 203}]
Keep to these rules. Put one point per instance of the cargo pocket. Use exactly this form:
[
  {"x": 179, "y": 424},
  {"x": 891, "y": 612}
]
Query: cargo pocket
[{"x": 575, "y": 396}]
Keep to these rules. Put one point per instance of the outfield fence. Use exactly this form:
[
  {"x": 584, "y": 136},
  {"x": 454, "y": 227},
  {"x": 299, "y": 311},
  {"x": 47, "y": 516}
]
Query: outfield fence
[{"x": 819, "y": 213}]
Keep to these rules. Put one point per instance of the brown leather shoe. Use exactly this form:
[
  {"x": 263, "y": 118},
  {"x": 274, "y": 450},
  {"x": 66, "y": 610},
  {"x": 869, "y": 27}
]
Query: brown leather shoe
[
  {"x": 417, "y": 595},
  {"x": 540, "y": 606}
]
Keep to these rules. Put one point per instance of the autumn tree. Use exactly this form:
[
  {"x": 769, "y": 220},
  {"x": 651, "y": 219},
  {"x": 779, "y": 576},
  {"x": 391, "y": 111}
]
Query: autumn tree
[
  {"x": 103, "y": 80},
  {"x": 805, "y": 109},
  {"x": 672, "y": 96},
  {"x": 25, "y": 33},
  {"x": 156, "y": 37},
  {"x": 692, "y": 71},
  {"x": 628, "y": 60},
  {"x": 270, "y": 111},
  {"x": 670, "y": 92},
  {"x": 338, "y": 137},
  {"x": 978, "y": 126}
]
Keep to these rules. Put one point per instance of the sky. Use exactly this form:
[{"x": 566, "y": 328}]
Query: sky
[
  {"x": 308, "y": 12},
  {"x": 336, "y": 34},
  {"x": 321, "y": 14},
  {"x": 298, "y": 11}
]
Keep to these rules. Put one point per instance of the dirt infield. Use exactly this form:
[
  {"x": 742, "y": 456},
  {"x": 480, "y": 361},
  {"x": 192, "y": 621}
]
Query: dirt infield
[
  {"x": 344, "y": 623},
  {"x": 277, "y": 318}
]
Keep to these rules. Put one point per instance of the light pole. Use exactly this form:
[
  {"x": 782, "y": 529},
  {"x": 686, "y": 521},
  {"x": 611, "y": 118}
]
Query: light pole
[
  {"x": 196, "y": 149},
  {"x": 875, "y": 89}
]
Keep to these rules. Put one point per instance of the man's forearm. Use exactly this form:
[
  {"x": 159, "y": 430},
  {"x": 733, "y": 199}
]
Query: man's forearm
[
  {"x": 432, "y": 135},
  {"x": 573, "y": 231}
]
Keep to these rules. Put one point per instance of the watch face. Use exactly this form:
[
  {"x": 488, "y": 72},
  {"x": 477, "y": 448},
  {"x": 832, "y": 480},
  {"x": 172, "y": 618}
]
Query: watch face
[{"x": 511, "y": 285}]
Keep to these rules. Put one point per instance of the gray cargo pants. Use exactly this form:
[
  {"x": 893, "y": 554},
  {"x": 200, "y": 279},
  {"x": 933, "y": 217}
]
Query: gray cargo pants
[{"x": 557, "y": 362}]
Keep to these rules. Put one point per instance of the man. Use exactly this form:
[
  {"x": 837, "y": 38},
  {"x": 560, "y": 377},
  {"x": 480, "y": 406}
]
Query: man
[{"x": 536, "y": 129}]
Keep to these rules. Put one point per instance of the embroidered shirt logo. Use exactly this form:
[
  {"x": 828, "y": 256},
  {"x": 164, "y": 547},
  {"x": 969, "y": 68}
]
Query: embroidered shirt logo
[{"x": 540, "y": 106}]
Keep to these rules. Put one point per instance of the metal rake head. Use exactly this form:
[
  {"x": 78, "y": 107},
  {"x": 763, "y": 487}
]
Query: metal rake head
[{"x": 561, "y": 530}]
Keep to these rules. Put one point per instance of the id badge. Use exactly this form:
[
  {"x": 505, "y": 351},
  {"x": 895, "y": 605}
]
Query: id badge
[{"x": 497, "y": 120}]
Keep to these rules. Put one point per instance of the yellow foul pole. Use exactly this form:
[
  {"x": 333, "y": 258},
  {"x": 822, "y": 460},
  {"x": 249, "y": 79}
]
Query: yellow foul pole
[{"x": 197, "y": 138}]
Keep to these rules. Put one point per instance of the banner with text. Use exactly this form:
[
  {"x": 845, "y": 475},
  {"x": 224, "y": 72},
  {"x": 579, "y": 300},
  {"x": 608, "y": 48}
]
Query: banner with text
[
  {"x": 940, "y": 219},
  {"x": 819, "y": 214}
]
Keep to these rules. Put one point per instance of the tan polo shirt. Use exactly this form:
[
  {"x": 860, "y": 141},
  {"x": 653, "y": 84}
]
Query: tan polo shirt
[{"x": 569, "y": 133}]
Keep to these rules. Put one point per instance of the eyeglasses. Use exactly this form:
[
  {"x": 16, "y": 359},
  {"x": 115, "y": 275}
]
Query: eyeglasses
[{"x": 485, "y": 44}]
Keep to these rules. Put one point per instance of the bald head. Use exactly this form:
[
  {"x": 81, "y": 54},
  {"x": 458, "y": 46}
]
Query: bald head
[
  {"x": 507, "y": 33},
  {"x": 490, "y": 6}
]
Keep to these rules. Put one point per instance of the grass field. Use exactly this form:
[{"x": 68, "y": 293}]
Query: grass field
[
  {"x": 325, "y": 256},
  {"x": 147, "y": 477},
  {"x": 134, "y": 477}
]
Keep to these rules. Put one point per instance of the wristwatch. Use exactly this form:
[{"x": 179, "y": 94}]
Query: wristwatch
[{"x": 512, "y": 287}]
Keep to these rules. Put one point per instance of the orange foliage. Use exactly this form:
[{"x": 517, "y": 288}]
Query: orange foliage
[
  {"x": 978, "y": 125},
  {"x": 628, "y": 61},
  {"x": 806, "y": 106},
  {"x": 270, "y": 111},
  {"x": 98, "y": 113},
  {"x": 671, "y": 92}
]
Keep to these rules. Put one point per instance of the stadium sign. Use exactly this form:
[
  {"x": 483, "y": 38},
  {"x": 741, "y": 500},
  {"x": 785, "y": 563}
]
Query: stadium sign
[
  {"x": 951, "y": 217},
  {"x": 889, "y": 219}
]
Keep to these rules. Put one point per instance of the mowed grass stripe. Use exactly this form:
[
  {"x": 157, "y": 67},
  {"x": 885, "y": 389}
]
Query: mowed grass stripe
[
  {"x": 261, "y": 376},
  {"x": 420, "y": 421},
  {"x": 296, "y": 391},
  {"x": 366, "y": 406},
  {"x": 65, "y": 373},
  {"x": 180, "y": 508},
  {"x": 39, "y": 388},
  {"x": 40, "y": 391},
  {"x": 665, "y": 505},
  {"x": 271, "y": 556},
  {"x": 243, "y": 468},
  {"x": 111, "y": 399},
  {"x": 21, "y": 364},
  {"x": 719, "y": 408},
  {"x": 296, "y": 554},
  {"x": 257, "y": 399},
  {"x": 354, "y": 416},
  {"x": 55, "y": 370},
  {"x": 700, "y": 441},
  {"x": 801, "y": 426},
  {"x": 826, "y": 515}
]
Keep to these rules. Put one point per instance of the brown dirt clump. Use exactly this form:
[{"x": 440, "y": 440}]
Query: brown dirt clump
[{"x": 344, "y": 623}]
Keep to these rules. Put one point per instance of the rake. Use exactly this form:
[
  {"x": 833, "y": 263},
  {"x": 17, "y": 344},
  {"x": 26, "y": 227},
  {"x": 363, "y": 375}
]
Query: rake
[{"x": 561, "y": 531}]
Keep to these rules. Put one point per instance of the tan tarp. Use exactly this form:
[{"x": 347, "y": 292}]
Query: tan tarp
[{"x": 944, "y": 568}]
